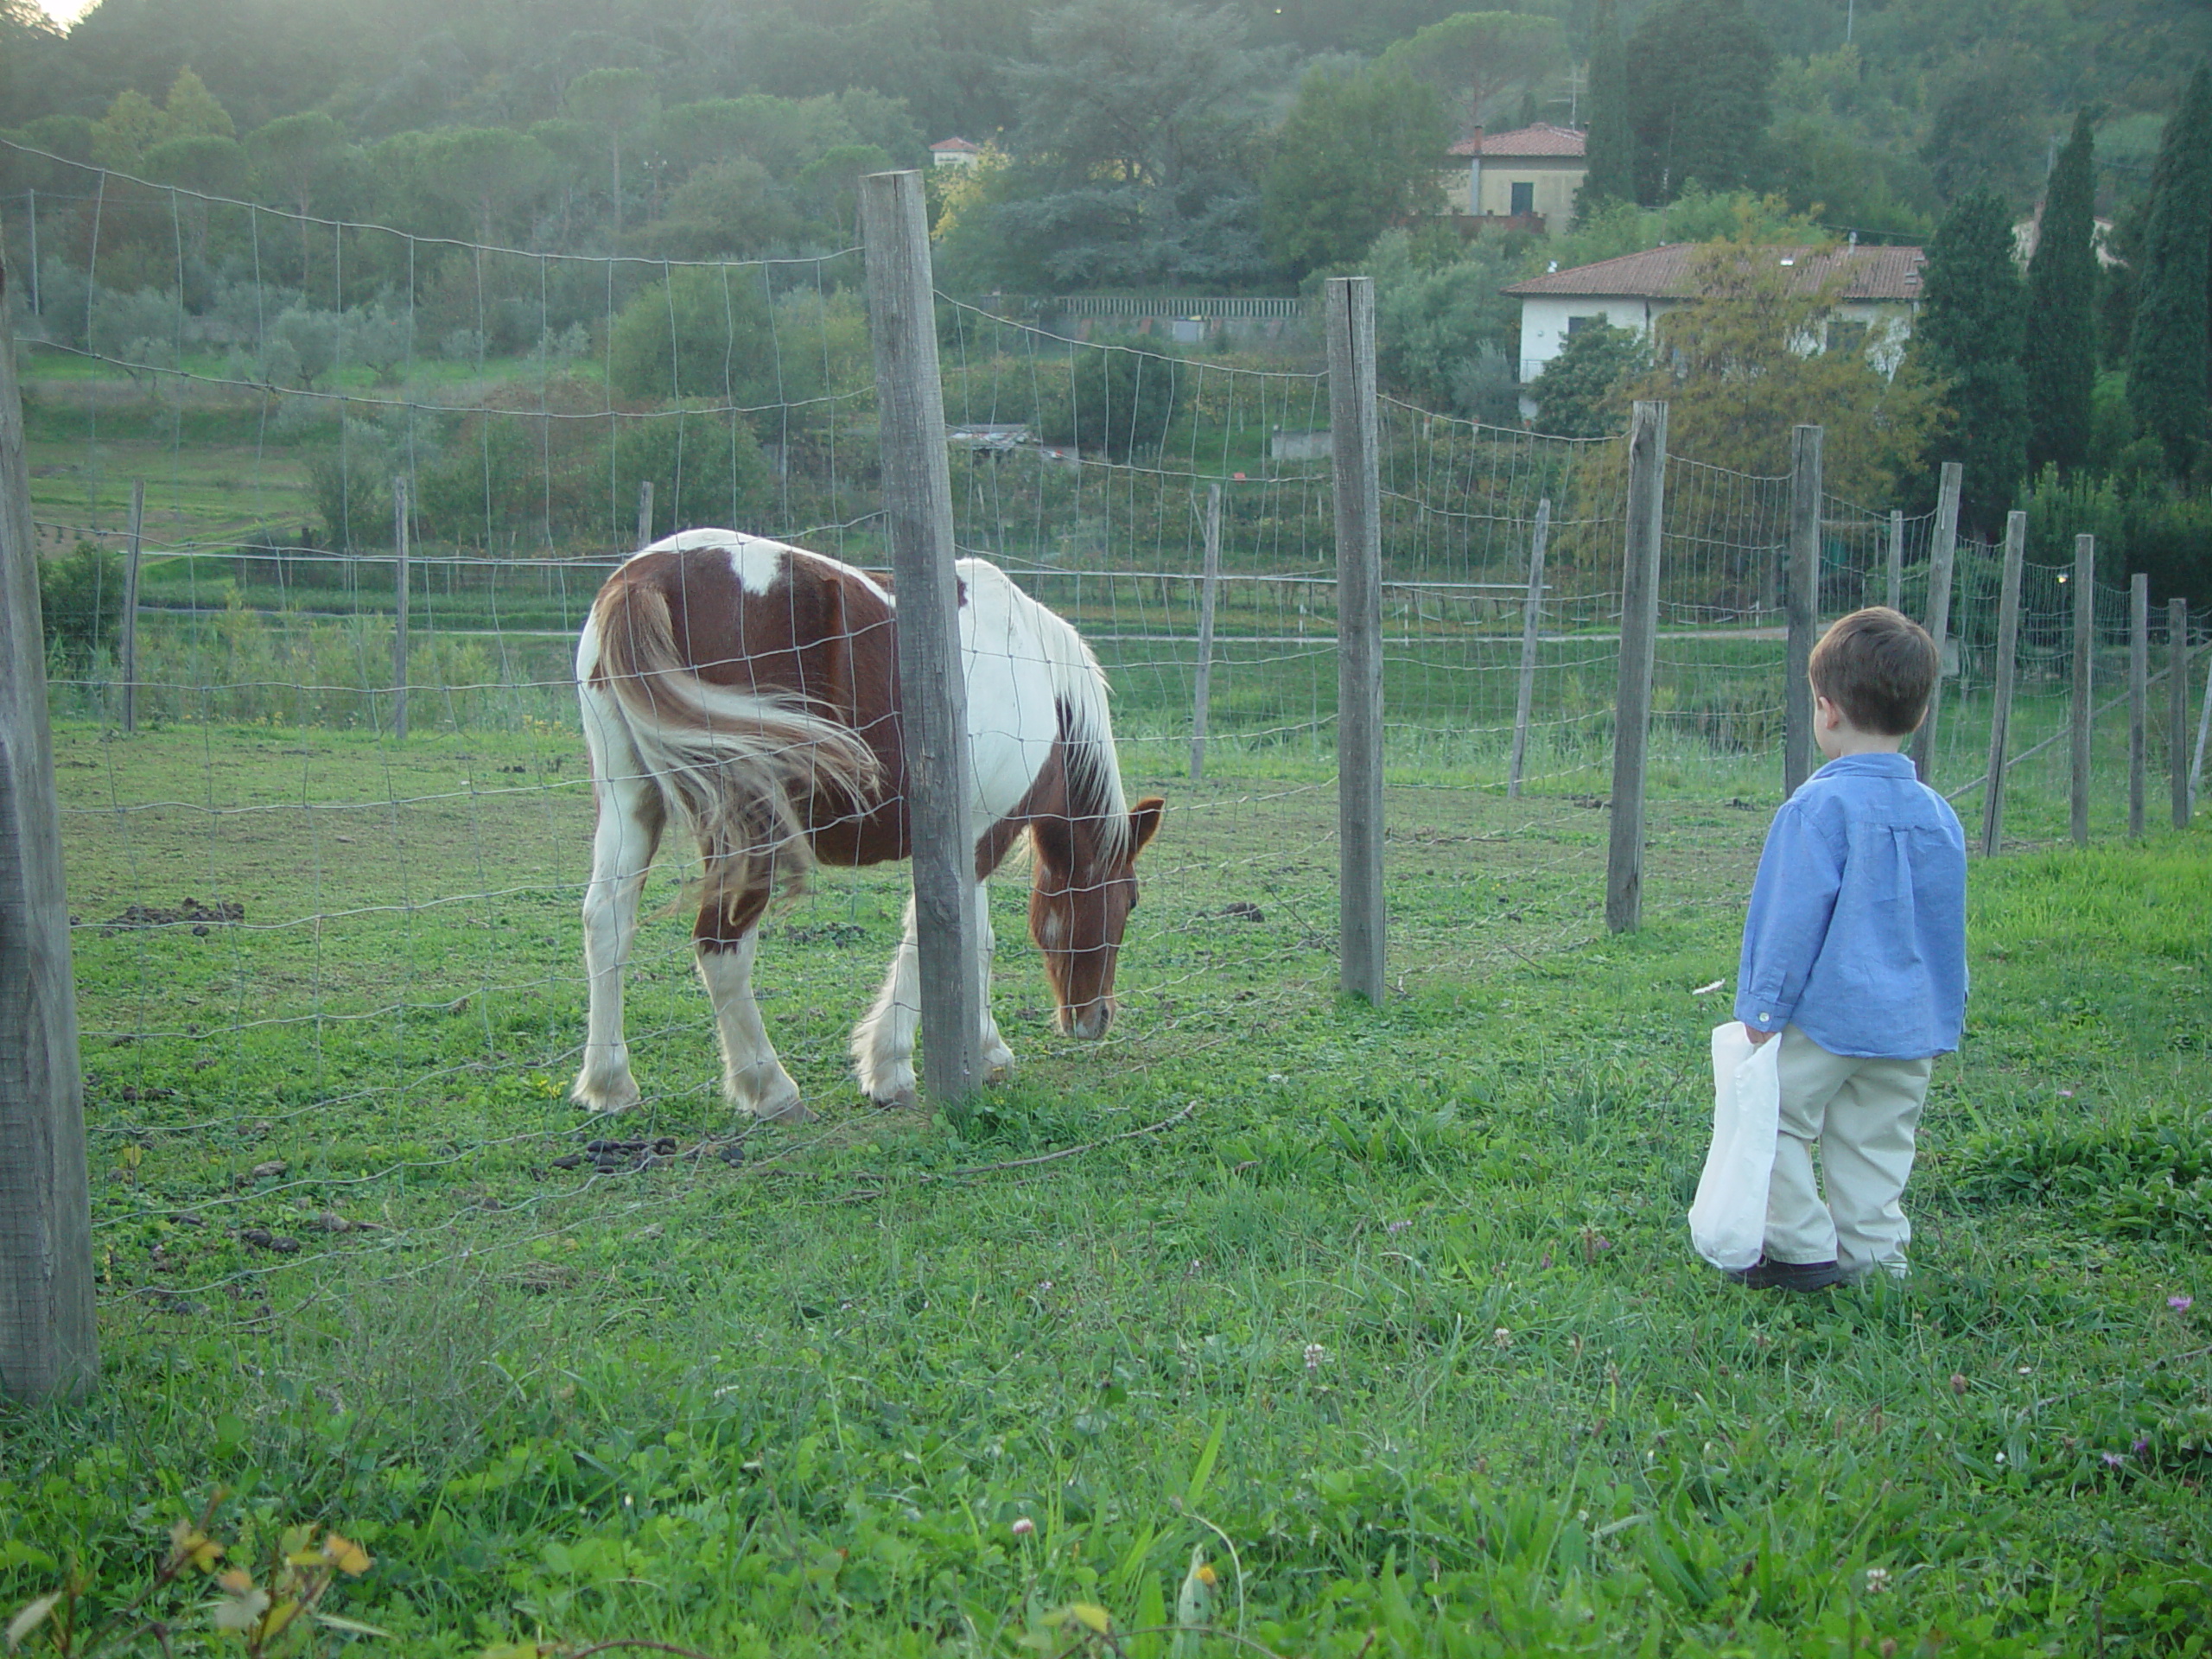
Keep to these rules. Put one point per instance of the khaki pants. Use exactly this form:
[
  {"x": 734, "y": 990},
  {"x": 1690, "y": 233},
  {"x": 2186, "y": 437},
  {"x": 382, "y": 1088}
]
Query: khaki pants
[{"x": 1863, "y": 1114}]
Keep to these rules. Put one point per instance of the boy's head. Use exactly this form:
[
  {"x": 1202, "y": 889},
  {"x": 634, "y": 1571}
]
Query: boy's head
[{"x": 1879, "y": 667}]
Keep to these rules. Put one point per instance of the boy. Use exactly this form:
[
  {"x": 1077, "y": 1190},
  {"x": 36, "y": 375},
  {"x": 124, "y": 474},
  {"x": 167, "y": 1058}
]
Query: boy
[{"x": 1854, "y": 956}]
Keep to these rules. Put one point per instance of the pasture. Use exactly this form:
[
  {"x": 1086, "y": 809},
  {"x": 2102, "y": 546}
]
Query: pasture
[{"x": 1388, "y": 1312}]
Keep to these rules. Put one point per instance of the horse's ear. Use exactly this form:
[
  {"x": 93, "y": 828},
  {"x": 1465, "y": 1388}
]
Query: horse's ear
[{"x": 1144, "y": 821}]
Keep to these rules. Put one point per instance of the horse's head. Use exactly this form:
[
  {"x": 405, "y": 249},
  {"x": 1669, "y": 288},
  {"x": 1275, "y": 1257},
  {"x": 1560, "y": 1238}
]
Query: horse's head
[{"x": 1086, "y": 886}]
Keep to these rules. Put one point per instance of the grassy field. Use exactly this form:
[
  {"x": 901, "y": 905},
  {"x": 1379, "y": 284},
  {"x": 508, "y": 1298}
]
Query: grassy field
[{"x": 1389, "y": 1312}]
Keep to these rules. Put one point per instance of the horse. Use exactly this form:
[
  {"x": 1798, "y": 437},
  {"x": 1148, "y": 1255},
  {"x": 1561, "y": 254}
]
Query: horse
[{"x": 747, "y": 691}]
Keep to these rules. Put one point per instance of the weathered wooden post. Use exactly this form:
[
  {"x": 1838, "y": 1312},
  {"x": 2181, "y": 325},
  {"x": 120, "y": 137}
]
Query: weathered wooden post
[
  {"x": 1350, "y": 323},
  {"x": 128, "y": 654},
  {"x": 1942, "y": 553},
  {"x": 1802, "y": 605},
  {"x": 1209, "y": 595},
  {"x": 1531, "y": 619},
  {"x": 645, "y": 511},
  {"x": 1647, "y": 503},
  {"x": 2139, "y": 700},
  {"x": 2001, "y": 704},
  {"x": 1894, "y": 588},
  {"x": 400, "y": 584},
  {"x": 2178, "y": 707},
  {"x": 2085, "y": 658},
  {"x": 49, "y": 1345},
  {"x": 933, "y": 687}
]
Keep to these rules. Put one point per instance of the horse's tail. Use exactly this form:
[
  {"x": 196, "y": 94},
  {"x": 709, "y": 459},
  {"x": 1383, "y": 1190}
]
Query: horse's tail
[{"x": 731, "y": 766}]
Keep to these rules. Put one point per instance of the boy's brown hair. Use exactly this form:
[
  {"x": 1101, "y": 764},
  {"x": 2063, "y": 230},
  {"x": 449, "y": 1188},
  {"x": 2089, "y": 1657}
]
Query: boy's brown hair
[{"x": 1878, "y": 666}]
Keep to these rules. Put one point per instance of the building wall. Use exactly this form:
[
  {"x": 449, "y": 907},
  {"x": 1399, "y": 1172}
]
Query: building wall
[
  {"x": 1545, "y": 319},
  {"x": 1556, "y": 178}
]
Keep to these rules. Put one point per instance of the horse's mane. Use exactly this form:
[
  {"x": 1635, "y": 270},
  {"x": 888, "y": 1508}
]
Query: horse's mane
[{"x": 1079, "y": 690}]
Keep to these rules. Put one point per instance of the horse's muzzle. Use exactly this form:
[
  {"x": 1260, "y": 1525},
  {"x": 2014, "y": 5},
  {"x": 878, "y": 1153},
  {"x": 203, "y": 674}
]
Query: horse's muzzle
[{"x": 1089, "y": 1020}]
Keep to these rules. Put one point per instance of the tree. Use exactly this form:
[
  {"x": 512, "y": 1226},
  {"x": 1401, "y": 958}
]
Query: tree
[
  {"x": 619, "y": 102},
  {"x": 1357, "y": 153},
  {"x": 1478, "y": 55},
  {"x": 291, "y": 155},
  {"x": 1740, "y": 366},
  {"x": 1609, "y": 148},
  {"x": 1137, "y": 152},
  {"x": 1575, "y": 396},
  {"x": 1971, "y": 321},
  {"x": 1699, "y": 74},
  {"x": 193, "y": 111},
  {"x": 1981, "y": 136},
  {"x": 2061, "y": 345},
  {"x": 2166, "y": 368},
  {"x": 489, "y": 172}
]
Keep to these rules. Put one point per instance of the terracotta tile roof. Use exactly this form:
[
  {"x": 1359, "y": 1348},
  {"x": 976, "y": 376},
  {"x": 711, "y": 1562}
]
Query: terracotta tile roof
[
  {"x": 957, "y": 146},
  {"x": 1542, "y": 139},
  {"x": 1671, "y": 273}
]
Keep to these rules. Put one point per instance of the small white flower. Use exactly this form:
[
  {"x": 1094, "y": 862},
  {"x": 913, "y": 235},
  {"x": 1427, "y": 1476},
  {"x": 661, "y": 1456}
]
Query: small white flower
[
  {"x": 1316, "y": 1357},
  {"x": 1502, "y": 1336},
  {"x": 1878, "y": 1580},
  {"x": 1023, "y": 1525}
]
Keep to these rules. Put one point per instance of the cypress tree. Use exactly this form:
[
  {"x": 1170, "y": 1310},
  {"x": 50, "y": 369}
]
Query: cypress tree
[
  {"x": 2166, "y": 368},
  {"x": 1969, "y": 332},
  {"x": 1606, "y": 148},
  {"x": 2061, "y": 347}
]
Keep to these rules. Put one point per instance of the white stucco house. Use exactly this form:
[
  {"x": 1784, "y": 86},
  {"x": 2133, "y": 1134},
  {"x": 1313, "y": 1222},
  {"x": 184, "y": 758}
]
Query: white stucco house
[
  {"x": 1878, "y": 297},
  {"x": 1526, "y": 178},
  {"x": 954, "y": 152}
]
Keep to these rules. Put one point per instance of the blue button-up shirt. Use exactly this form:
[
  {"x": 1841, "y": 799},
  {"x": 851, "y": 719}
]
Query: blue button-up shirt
[{"x": 1858, "y": 926}]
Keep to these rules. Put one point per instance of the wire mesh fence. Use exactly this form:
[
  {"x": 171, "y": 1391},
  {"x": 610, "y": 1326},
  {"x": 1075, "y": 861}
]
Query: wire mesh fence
[{"x": 330, "y": 982}]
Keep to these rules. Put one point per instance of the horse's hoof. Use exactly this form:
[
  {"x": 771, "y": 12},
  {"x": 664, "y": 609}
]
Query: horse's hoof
[
  {"x": 900, "y": 1100},
  {"x": 998, "y": 1071},
  {"x": 606, "y": 1103},
  {"x": 793, "y": 1110}
]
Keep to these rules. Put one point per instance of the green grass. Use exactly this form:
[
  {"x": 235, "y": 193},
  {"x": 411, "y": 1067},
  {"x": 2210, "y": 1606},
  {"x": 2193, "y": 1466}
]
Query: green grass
[{"x": 1400, "y": 1324}]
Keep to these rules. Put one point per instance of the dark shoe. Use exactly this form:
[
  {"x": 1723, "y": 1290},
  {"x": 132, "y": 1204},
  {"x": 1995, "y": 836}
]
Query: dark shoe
[{"x": 1766, "y": 1273}]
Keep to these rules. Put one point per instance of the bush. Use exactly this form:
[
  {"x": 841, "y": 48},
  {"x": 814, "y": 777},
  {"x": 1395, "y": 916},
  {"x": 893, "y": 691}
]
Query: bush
[
  {"x": 1119, "y": 401},
  {"x": 81, "y": 603}
]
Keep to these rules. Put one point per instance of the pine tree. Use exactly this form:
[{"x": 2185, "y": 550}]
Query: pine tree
[
  {"x": 2061, "y": 347},
  {"x": 1607, "y": 150},
  {"x": 1971, "y": 324},
  {"x": 1700, "y": 73},
  {"x": 2166, "y": 368}
]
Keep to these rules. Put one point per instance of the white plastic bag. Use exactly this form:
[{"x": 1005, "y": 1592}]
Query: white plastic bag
[{"x": 1728, "y": 1219}]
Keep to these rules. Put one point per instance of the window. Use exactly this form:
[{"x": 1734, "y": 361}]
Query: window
[
  {"x": 1847, "y": 336},
  {"x": 1524, "y": 197},
  {"x": 1576, "y": 324}
]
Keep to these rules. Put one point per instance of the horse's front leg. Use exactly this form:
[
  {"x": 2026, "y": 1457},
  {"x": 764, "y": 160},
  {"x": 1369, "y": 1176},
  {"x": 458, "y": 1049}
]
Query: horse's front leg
[
  {"x": 623, "y": 843},
  {"x": 726, "y": 938},
  {"x": 883, "y": 1043},
  {"x": 997, "y": 1058}
]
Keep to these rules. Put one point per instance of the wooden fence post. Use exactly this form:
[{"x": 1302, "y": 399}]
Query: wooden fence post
[
  {"x": 1350, "y": 321},
  {"x": 645, "y": 512},
  {"x": 2000, "y": 706},
  {"x": 918, "y": 512},
  {"x": 2178, "y": 706},
  {"x": 2085, "y": 658},
  {"x": 399, "y": 587},
  {"x": 129, "y": 654},
  {"x": 1942, "y": 553},
  {"x": 1531, "y": 619},
  {"x": 2139, "y": 700},
  {"x": 1208, "y": 596},
  {"x": 1894, "y": 588},
  {"x": 49, "y": 1342},
  {"x": 1647, "y": 502},
  {"x": 1802, "y": 605}
]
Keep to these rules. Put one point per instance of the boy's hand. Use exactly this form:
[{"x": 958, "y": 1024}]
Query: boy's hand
[{"x": 1756, "y": 1035}]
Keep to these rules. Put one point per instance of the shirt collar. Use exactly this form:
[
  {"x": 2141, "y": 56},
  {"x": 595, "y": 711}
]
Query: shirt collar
[{"x": 1877, "y": 764}]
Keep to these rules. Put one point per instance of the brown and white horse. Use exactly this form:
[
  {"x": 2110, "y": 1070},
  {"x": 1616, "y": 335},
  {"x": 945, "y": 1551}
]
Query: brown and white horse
[{"x": 747, "y": 692}]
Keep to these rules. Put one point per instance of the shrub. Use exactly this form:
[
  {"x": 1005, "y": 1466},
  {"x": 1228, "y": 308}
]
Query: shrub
[{"x": 81, "y": 603}]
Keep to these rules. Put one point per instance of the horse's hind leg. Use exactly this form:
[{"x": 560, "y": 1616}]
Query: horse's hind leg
[
  {"x": 623, "y": 844},
  {"x": 997, "y": 1058},
  {"x": 726, "y": 936}
]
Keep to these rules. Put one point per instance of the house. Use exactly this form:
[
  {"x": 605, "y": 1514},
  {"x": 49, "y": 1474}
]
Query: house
[
  {"x": 1524, "y": 180},
  {"x": 1876, "y": 304},
  {"x": 954, "y": 152},
  {"x": 2027, "y": 234}
]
